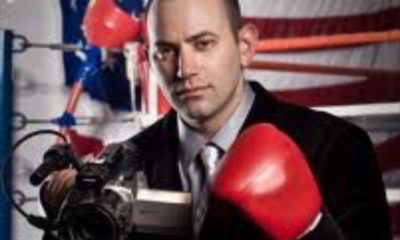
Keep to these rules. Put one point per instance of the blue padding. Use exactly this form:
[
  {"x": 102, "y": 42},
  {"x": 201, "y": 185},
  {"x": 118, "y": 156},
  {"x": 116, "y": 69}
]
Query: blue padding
[
  {"x": 66, "y": 120},
  {"x": 5, "y": 124}
]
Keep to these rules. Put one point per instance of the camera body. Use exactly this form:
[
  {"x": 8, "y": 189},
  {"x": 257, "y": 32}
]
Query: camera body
[{"x": 110, "y": 201}]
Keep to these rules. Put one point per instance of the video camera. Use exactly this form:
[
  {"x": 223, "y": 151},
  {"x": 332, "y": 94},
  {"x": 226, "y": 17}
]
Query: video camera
[{"x": 110, "y": 200}]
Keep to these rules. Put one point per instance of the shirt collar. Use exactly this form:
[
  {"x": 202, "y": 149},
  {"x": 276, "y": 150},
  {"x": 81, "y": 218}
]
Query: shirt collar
[
  {"x": 227, "y": 134},
  {"x": 190, "y": 143}
]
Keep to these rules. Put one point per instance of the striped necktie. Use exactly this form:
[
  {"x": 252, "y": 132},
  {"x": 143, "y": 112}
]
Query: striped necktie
[
  {"x": 209, "y": 156},
  {"x": 201, "y": 172},
  {"x": 202, "y": 168}
]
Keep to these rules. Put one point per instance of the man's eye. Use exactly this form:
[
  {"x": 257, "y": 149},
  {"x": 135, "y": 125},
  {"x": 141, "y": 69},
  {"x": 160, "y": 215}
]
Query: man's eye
[
  {"x": 203, "y": 45},
  {"x": 164, "y": 53}
]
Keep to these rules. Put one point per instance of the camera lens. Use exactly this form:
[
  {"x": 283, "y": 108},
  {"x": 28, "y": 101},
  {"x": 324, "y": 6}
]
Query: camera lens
[{"x": 92, "y": 222}]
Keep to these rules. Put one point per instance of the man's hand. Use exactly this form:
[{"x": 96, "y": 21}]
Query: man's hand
[{"x": 56, "y": 189}]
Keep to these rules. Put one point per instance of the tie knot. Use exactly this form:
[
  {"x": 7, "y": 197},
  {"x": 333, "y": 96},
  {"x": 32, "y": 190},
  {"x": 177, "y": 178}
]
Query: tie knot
[{"x": 210, "y": 155}]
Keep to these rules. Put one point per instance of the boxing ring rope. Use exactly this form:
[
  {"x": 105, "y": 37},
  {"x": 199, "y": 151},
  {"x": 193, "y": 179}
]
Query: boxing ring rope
[
  {"x": 321, "y": 69},
  {"x": 323, "y": 42}
]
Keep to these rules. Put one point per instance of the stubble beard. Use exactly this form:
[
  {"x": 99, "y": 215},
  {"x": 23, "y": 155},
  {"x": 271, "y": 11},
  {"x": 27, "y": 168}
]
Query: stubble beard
[{"x": 213, "y": 119}]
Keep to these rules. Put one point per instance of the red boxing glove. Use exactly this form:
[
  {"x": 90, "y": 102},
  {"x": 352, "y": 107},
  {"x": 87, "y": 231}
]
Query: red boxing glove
[
  {"x": 107, "y": 25},
  {"x": 266, "y": 175}
]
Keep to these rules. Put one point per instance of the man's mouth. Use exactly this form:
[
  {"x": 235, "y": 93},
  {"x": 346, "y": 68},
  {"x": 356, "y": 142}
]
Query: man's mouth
[{"x": 192, "y": 92}]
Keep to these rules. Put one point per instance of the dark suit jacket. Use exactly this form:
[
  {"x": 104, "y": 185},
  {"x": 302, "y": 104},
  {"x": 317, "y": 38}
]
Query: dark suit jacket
[{"x": 340, "y": 155}]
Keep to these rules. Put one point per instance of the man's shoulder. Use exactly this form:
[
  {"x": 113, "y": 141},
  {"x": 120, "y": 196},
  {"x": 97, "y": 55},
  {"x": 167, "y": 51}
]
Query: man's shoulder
[
  {"x": 298, "y": 115},
  {"x": 300, "y": 121},
  {"x": 161, "y": 130},
  {"x": 320, "y": 123},
  {"x": 307, "y": 116}
]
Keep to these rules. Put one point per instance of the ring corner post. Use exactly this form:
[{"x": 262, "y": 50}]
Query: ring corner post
[{"x": 6, "y": 106}]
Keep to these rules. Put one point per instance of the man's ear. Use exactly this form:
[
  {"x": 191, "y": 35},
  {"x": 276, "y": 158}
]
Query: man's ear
[{"x": 248, "y": 38}]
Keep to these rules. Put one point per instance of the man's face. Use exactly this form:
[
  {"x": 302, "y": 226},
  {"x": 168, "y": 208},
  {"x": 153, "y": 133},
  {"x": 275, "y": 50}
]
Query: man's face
[{"x": 194, "y": 54}]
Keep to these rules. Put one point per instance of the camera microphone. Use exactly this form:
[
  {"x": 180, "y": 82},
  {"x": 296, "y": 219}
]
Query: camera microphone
[{"x": 59, "y": 156}]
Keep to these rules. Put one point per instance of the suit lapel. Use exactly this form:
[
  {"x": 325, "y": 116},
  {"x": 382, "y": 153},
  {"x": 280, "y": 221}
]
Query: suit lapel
[
  {"x": 163, "y": 157},
  {"x": 264, "y": 109}
]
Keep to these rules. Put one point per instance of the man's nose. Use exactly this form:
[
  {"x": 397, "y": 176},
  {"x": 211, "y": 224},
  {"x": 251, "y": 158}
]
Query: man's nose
[{"x": 186, "y": 65}]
